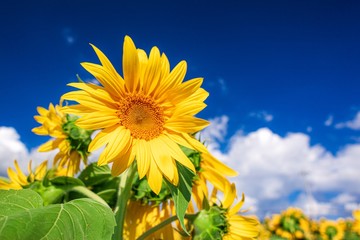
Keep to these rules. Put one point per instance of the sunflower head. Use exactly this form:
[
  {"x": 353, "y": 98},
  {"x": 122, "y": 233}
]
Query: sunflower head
[
  {"x": 146, "y": 114},
  {"x": 71, "y": 140}
]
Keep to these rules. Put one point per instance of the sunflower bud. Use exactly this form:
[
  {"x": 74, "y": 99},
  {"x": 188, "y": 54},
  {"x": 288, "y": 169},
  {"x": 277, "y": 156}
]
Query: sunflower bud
[{"x": 210, "y": 224}]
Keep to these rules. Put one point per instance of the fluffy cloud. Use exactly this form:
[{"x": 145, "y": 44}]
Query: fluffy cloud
[
  {"x": 352, "y": 124},
  {"x": 276, "y": 170},
  {"x": 11, "y": 148}
]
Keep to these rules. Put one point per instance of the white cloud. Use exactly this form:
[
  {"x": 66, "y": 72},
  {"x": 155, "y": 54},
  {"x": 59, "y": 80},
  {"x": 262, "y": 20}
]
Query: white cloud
[
  {"x": 352, "y": 124},
  {"x": 329, "y": 121},
  {"x": 11, "y": 148},
  {"x": 263, "y": 115},
  {"x": 272, "y": 168}
]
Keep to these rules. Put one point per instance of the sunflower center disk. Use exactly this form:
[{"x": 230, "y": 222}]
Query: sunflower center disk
[{"x": 142, "y": 116}]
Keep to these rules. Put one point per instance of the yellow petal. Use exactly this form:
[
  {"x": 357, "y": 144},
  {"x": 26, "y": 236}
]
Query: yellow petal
[
  {"x": 164, "y": 161},
  {"x": 88, "y": 100},
  {"x": 49, "y": 145},
  {"x": 95, "y": 91},
  {"x": 186, "y": 124},
  {"x": 130, "y": 65},
  {"x": 113, "y": 85},
  {"x": 152, "y": 72},
  {"x": 185, "y": 90},
  {"x": 154, "y": 178},
  {"x": 143, "y": 157},
  {"x": 106, "y": 63},
  {"x": 175, "y": 77},
  {"x": 119, "y": 143},
  {"x": 98, "y": 120},
  {"x": 102, "y": 138},
  {"x": 174, "y": 150},
  {"x": 122, "y": 162},
  {"x": 222, "y": 168}
]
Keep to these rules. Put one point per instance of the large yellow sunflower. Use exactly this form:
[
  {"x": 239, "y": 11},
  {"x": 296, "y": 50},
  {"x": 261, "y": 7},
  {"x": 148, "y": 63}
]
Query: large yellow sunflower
[
  {"x": 71, "y": 140},
  {"x": 144, "y": 115}
]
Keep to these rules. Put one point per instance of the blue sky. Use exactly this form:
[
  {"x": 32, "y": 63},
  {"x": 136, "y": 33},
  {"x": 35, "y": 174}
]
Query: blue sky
[{"x": 288, "y": 70}]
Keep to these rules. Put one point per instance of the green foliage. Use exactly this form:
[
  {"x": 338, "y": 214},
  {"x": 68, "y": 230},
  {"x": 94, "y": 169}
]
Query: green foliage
[
  {"x": 142, "y": 191},
  {"x": 23, "y": 217},
  {"x": 182, "y": 193},
  {"x": 99, "y": 180}
]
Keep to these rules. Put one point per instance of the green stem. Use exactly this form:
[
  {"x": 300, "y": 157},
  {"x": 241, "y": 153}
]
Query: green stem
[
  {"x": 123, "y": 196},
  {"x": 163, "y": 224},
  {"x": 88, "y": 193}
]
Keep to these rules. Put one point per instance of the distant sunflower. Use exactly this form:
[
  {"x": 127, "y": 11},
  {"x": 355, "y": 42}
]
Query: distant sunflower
[
  {"x": 71, "y": 140},
  {"x": 144, "y": 115},
  {"x": 331, "y": 230},
  {"x": 223, "y": 221},
  {"x": 18, "y": 180}
]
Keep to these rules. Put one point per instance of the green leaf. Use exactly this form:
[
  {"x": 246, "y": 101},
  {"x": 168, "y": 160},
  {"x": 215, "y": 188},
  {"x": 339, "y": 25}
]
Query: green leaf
[
  {"x": 182, "y": 193},
  {"x": 94, "y": 174},
  {"x": 23, "y": 217},
  {"x": 66, "y": 181}
]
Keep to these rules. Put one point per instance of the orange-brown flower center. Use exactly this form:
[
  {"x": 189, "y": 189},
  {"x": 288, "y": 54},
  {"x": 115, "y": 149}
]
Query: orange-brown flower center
[{"x": 142, "y": 116}]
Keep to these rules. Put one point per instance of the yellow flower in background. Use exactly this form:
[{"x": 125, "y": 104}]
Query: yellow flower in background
[
  {"x": 331, "y": 230},
  {"x": 223, "y": 221},
  {"x": 71, "y": 140},
  {"x": 290, "y": 224},
  {"x": 356, "y": 223},
  {"x": 208, "y": 170},
  {"x": 141, "y": 217},
  {"x": 17, "y": 178},
  {"x": 144, "y": 115}
]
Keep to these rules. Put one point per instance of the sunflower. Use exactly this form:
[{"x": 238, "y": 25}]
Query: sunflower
[
  {"x": 356, "y": 223},
  {"x": 331, "y": 230},
  {"x": 222, "y": 221},
  {"x": 145, "y": 115},
  {"x": 71, "y": 140},
  {"x": 290, "y": 224},
  {"x": 209, "y": 169},
  {"x": 141, "y": 217},
  {"x": 17, "y": 178}
]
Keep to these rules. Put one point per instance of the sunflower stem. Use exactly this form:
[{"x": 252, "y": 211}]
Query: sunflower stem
[
  {"x": 88, "y": 193},
  {"x": 163, "y": 224},
  {"x": 123, "y": 196}
]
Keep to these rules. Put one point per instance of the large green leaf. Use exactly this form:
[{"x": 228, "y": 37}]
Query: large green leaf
[
  {"x": 23, "y": 217},
  {"x": 182, "y": 193}
]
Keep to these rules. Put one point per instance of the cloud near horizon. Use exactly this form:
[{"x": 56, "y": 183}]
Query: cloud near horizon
[{"x": 276, "y": 172}]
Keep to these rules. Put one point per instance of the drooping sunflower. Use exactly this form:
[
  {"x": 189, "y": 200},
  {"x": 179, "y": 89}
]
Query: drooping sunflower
[
  {"x": 210, "y": 170},
  {"x": 18, "y": 180},
  {"x": 145, "y": 115},
  {"x": 223, "y": 221},
  {"x": 71, "y": 140}
]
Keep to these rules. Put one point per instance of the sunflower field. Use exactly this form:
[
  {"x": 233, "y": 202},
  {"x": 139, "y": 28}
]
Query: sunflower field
[{"x": 293, "y": 224}]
